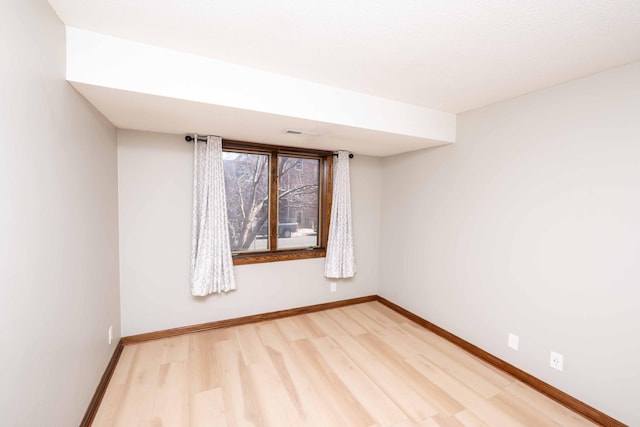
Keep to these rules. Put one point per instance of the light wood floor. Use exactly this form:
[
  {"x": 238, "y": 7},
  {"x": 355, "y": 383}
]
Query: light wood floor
[{"x": 362, "y": 365}]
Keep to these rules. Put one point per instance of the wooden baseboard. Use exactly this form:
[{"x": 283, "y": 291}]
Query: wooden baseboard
[
  {"x": 135, "y": 339},
  {"x": 535, "y": 383},
  {"x": 90, "y": 414},
  {"x": 548, "y": 390}
]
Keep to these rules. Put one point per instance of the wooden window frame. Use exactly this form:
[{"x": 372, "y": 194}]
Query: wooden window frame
[{"x": 324, "y": 199}]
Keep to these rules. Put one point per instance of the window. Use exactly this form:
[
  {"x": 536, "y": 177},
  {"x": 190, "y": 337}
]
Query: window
[{"x": 278, "y": 201}]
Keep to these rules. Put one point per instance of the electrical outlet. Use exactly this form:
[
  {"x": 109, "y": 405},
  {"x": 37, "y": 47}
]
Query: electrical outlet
[
  {"x": 110, "y": 334},
  {"x": 332, "y": 286},
  {"x": 556, "y": 361},
  {"x": 514, "y": 341}
]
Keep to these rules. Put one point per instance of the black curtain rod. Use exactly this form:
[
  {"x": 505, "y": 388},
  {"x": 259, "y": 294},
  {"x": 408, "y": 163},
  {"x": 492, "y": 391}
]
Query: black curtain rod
[
  {"x": 190, "y": 138},
  {"x": 350, "y": 155}
]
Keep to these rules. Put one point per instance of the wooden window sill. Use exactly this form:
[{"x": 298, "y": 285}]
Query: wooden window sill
[{"x": 260, "y": 257}]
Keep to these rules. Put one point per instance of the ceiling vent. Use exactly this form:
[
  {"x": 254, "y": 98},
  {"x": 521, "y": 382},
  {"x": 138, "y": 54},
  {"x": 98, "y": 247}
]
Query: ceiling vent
[{"x": 300, "y": 132}]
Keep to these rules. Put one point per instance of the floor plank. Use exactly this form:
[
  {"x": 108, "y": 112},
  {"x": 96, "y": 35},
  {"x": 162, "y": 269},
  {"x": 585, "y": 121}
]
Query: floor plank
[{"x": 361, "y": 365}]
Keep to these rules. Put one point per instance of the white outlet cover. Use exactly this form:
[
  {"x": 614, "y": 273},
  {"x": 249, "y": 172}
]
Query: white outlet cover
[
  {"x": 332, "y": 286},
  {"x": 513, "y": 341},
  {"x": 110, "y": 334},
  {"x": 556, "y": 361}
]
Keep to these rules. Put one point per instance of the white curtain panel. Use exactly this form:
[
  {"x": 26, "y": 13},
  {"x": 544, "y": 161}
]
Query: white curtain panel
[
  {"x": 340, "y": 261},
  {"x": 211, "y": 262}
]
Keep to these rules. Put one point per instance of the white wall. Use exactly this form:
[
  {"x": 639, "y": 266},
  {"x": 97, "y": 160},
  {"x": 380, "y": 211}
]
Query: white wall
[
  {"x": 155, "y": 190},
  {"x": 58, "y": 228},
  {"x": 530, "y": 224}
]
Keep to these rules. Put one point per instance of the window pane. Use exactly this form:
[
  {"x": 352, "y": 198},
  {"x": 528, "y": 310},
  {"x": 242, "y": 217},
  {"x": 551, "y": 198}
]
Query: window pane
[
  {"x": 246, "y": 178},
  {"x": 298, "y": 191}
]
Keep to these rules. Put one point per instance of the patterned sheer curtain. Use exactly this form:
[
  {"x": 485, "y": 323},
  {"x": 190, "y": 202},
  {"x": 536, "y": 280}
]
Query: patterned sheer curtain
[
  {"x": 340, "y": 260},
  {"x": 211, "y": 262}
]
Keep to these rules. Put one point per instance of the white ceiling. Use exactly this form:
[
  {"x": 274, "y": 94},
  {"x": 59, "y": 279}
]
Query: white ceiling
[{"x": 449, "y": 55}]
